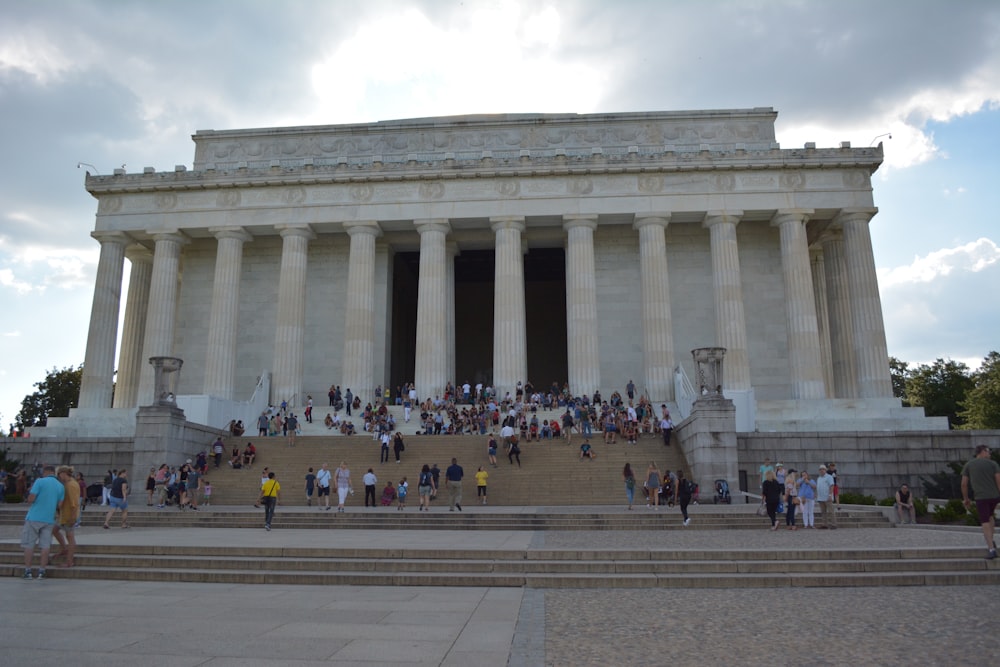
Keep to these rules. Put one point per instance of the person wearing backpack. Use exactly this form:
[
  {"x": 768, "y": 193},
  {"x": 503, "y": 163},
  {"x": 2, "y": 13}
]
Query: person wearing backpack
[
  {"x": 425, "y": 486},
  {"x": 685, "y": 491},
  {"x": 401, "y": 492}
]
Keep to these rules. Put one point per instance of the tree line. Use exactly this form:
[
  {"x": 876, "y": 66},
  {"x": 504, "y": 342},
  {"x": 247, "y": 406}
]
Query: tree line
[{"x": 947, "y": 388}]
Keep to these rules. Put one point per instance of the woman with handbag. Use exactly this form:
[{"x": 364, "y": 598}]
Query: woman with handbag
[
  {"x": 269, "y": 498},
  {"x": 791, "y": 499}
]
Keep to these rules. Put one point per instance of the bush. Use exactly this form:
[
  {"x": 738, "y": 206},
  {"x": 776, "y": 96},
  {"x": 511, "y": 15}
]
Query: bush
[
  {"x": 856, "y": 499},
  {"x": 920, "y": 506},
  {"x": 953, "y": 511},
  {"x": 887, "y": 502},
  {"x": 12, "y": 498}
]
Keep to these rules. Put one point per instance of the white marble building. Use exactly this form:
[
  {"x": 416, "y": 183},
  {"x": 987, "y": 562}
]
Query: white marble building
[{"x": 587, "y": 249}]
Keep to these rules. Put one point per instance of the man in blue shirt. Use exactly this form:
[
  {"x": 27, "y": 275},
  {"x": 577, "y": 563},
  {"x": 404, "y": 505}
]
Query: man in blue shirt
[
  {"x": 454, "y": 475},
  {"x": 46, "y": 497}
]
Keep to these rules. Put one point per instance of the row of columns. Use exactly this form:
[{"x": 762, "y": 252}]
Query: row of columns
[{"x": 833, "y": 298}]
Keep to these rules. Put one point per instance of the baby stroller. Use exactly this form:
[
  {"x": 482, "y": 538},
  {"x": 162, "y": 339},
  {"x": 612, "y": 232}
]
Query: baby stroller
[{"x": 722, "y": 492}]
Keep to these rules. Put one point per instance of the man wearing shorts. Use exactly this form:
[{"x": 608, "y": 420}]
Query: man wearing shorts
[
  {"x": 46, "y": 498},
  {"x": 69, "y": 513},
  {"x": 983, "y": 474},
  {"x": 323, "y": 487}
]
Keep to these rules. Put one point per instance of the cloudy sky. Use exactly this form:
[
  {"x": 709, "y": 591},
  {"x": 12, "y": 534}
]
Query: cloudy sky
[{"x": 127, "y": 83}]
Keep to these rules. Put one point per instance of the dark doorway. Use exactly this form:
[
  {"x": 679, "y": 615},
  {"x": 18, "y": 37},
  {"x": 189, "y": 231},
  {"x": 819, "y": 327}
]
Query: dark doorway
[{"x": 545, "y": 312}]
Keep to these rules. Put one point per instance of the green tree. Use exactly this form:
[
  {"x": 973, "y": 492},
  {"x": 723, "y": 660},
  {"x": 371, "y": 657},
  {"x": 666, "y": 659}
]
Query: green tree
[
  {"x": 981, "y": 407},
  {"x": 898, "y": 371},
  {"x": 939, "y": 388},
  {"x": 57, "y": 393}
]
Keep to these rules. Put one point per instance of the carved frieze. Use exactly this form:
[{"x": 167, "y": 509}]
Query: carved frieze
[
  {"x": 165, "y": 200},
  {"x": 394, "y": 141},
  {"x": 228, "y": 199},
  {"x": 431, "y": 190}
]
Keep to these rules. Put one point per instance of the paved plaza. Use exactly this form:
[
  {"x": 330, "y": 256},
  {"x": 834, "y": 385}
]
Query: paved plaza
[{"x": 107, "y": 623}]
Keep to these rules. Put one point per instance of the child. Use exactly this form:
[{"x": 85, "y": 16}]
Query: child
[
  {"x": 481, "y": 476},
  {"x": 207, "y": 491},
  {"x": 401, "y": 491}
]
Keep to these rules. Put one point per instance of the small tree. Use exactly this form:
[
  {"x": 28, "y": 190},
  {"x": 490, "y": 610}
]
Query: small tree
[
  {"x": 981, "y": 407},
  {"x": 939, "y": 388},
  {"x": 57, "y": 393}
]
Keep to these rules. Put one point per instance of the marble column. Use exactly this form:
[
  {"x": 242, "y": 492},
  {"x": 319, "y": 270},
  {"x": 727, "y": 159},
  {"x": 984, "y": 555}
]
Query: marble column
[
  {"x": 657, "y": 325},
  {"x": 730, "y": 322},
  {"x": 289, "y": 334},
  {"x": 822, "y": 318},
  {"x": 220, "y": 362},
  {"x": 839, "y": 304},
  {"x": 582, "y": 347},
  {"x": 161, "y": 316},
  {"x": 97, "y": 383},
  {"x": 510, "y": 347},
  {"x": 805, "y": 364},
  {"x": 871, "y": 355},
  {"x": 431, "y": 363},
  {"x": 130, "y": 361},
  {"x": 450, "y": 252},
  {"x": 359, "y": 318}
]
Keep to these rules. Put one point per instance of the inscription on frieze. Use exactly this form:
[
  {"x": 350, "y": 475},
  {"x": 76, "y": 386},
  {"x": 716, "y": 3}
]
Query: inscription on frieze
[
  {"x": 792, "y": 181},
  {"x": 362, "y": 192},
  {"x": 433, "y": 190},
  {"x": 758, "y": 181},
  {"x": 228, "y": 199},
  {"x": 165, "y": 200}
]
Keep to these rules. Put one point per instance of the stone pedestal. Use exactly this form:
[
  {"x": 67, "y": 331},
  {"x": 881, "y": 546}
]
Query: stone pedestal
[
  {"x": 159, "y": 438},
  {"x": 708, "y": 440}
]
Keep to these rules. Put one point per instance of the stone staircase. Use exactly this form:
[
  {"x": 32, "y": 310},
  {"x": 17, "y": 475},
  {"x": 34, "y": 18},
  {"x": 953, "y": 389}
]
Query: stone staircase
[
  {"x": 535, "y": 568},
  {"x": 551, "y": 472}
]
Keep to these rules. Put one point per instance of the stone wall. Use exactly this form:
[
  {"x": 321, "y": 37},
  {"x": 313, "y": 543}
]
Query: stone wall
[{"x": 874, "y": 463}]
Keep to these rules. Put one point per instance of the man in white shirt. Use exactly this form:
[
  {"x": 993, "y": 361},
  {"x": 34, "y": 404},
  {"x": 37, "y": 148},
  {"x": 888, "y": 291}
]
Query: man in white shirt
[
  {"x": 824, "y": 496},
  {"x": 323, "y": 487}
]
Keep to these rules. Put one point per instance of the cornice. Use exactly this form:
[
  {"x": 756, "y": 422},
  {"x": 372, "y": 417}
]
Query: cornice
[{"x": 305, "y": 172}]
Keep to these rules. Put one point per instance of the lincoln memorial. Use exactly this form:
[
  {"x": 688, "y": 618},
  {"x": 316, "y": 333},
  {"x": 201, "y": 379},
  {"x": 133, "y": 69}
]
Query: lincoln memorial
[{"x": 551, "y": 248}]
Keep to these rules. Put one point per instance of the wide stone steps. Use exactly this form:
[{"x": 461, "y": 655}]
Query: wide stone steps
[
  {"x": 544, "y": 568},
  {"x": 551, "y": 472},
  {"x": 439, "y": 518}
]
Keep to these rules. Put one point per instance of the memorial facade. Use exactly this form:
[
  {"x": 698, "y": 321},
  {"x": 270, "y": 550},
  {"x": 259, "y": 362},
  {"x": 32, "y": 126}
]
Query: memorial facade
[{"x": 551, "y": 248}]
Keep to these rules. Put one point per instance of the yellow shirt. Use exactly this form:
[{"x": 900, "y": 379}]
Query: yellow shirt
[
  {"x": 270, "y": 488},
  {"x": 481, "y": 478},
  {"x": 71, "y": 503}
]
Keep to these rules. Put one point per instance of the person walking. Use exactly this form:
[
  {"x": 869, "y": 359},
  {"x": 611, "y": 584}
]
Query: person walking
[
  {"x": 629, "y": 478},
  {"x": 791, "y": 499},
  {"x": 771, "y": 491},
  {"x": 69, "y": 514},
  {"x": 982, "y": 474},
  {"x": 343, "y": 476},
  {"x": 370, "y": 480},
  {"x": 118, "y": 499},
  {"x": 491, "y": 450},
  {"x": 653, "y": 486},
  {"x": 685, "y": 492},
  {"x": 269, "y": 498},
  {"x": 46, "y": 499},
  {"x": 453, "y": 476},
  {"x": 481, "y": 477},
  {"x": 425, "y": 487},
  {"x": 291, "y": 428},
  {"x": 397, "y": 445},
  {"x": 310, "y": 487},
  {"x": 323, "y": 487},
  {"x": 384, "y": 453}
]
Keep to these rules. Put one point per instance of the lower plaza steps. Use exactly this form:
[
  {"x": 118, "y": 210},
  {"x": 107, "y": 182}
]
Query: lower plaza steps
[
  {"x": 518, "y": 567},
  {"x": 553, "y": 494}
]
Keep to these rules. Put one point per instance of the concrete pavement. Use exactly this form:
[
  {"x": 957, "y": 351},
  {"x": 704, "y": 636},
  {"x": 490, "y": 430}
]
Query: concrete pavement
[{"x": 87, "y": 622}]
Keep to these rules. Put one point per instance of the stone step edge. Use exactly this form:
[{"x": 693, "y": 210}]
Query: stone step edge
[
  {"x": 543, "y": 554},
  {"x": 576, "y": 580}
]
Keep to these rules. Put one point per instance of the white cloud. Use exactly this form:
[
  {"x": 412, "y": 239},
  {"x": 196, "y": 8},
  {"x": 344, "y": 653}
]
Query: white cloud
[{"x": 972, "y": 257}]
